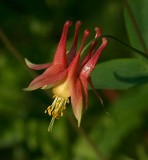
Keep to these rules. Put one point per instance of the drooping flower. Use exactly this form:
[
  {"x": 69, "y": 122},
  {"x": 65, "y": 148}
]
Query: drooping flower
[{"x": 68, "y": 75}]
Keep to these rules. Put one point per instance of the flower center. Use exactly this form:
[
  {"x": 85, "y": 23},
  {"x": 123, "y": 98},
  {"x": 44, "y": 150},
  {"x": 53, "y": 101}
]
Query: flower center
[{"x": 56, "y": 109}]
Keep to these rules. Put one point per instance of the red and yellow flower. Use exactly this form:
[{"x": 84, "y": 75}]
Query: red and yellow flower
[{"x": 68, "y": 75}]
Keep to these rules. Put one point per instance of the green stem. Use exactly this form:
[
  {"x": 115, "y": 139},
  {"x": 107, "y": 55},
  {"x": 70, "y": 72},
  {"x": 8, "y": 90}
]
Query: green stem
[
  {"x": 89, "y": 44},
  {"x": 127, "y": 45}
]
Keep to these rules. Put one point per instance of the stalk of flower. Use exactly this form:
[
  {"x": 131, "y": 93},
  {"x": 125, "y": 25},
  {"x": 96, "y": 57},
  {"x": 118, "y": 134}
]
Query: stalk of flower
[{"x": 67, "y": 75}]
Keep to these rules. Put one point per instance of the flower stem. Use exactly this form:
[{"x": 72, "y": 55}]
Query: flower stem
[{"x": 127, "y": 45}]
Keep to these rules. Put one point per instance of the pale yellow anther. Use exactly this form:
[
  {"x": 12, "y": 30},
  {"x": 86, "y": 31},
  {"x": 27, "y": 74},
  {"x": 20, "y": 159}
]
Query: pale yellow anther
[{"x": 56, "y": 109}]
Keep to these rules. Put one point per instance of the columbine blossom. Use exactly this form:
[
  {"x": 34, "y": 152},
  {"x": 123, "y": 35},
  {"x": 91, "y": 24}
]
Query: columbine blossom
[{"x": 67, "y": 75}]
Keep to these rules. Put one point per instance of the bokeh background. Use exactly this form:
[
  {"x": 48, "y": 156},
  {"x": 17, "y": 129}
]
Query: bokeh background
[{"x": 32, "y": 29}]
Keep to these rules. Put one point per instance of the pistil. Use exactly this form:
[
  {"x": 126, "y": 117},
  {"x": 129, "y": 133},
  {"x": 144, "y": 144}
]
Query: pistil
[{"x": 56, "y": 109}]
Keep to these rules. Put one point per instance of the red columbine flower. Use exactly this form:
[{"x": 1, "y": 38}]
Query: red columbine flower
[{"x": 67, "y": 75}]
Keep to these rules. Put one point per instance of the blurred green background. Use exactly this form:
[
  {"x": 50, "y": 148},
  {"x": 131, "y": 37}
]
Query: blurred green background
[{"x": 32, "y": 29}]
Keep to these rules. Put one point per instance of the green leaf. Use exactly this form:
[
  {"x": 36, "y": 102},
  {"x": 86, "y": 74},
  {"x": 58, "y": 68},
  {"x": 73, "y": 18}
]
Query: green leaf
[
  {"x": 120, "y": 74},
  {"x": 136, "y": 23}
]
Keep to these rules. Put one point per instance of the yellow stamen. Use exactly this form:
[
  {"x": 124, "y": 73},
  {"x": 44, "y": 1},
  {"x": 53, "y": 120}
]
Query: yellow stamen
[{"x": 56, "y": 109}]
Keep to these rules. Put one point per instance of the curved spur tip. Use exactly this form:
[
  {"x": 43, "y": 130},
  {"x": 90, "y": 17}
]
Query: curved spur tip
[
  {"x": 26, "y": 89},
  {"x": 28, "y": 63}
]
